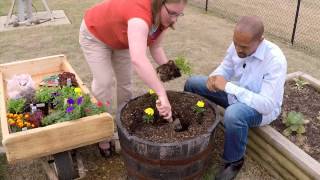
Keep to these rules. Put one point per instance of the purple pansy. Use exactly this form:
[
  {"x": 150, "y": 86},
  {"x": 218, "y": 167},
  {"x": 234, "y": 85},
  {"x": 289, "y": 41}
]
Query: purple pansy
[
  {"x": 70, "y": 109},
  {"x": 70, "y": 101},
  {"x": 79, "y": 100}
]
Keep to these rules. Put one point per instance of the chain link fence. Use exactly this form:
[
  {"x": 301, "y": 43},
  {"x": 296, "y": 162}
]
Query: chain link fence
[{"x": 278, "y": 17}]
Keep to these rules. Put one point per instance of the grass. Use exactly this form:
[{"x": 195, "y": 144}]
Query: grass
[
  {"x": 3, "y": 167},
  {"x": 210, "y": 173},
  {"x": 49, "y": 40},
  {"x": 204, "y": 49}
]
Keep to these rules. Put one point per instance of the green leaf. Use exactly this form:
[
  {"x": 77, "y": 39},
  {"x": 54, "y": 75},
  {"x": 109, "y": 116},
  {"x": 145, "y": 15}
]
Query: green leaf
[
  {"x": 44, "y": 94},
  {"x": 295, "y": 118},
  {"x": 287, "y": 132},
  {"x": 301, "y": 130},
  {"x": 183, "y": 65},
  {"x": 294, "y": 127},
  {"x": 284, "y": 117},
  {"x": 16, "y": 105}
]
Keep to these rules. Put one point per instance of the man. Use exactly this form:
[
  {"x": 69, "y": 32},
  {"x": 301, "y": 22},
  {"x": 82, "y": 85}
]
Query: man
[{"x": 249, "y": 84}]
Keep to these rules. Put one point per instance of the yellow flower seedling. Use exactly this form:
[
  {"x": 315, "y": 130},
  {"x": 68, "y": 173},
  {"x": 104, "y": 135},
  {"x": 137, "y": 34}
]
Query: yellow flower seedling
[
  {"x": 200, "y": 104},
  {"x": 148, "y": 115},
  {"x": 199, "y": 107},
  {"x": 78, "y": 91},
  {"x": 153, "y": 94},
  {"x": 149, "y": 111},
  {"x": 151, "y": 91}
]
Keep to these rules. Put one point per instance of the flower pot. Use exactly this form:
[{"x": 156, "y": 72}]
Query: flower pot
[{"x": 185, "y": 159}]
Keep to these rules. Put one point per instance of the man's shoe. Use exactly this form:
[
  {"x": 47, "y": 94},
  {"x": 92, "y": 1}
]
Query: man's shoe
[{"x": 230, "y": 170}]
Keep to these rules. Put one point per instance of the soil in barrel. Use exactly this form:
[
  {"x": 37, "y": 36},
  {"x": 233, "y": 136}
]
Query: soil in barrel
[{"x": 160, "y": 131}]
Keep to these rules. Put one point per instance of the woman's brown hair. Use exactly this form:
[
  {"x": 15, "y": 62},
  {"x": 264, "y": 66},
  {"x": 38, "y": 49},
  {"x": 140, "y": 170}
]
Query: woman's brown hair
[{"x": 156, "y": 7}]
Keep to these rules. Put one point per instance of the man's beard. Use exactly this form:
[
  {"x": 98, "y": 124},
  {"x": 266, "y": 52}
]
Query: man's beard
[{"x": 242, "y": 55}]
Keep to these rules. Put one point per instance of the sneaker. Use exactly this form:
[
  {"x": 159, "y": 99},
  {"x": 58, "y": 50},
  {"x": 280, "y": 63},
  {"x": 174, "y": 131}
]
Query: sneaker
[
  {"x": 106, "y": 149},
  {"x": 230, "y": 170}
]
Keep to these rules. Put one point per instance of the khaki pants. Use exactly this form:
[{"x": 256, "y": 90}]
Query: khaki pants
[{"x": 105, "y": 64}]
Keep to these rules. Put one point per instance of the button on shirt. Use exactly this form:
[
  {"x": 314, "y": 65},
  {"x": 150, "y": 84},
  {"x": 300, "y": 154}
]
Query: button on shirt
[{"x": 257, "y": 80}]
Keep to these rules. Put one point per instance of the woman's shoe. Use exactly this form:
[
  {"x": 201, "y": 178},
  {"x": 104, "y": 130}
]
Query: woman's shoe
[{"x": 106, "y": 149}]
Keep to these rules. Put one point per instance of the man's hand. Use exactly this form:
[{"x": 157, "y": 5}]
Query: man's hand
[
  {"x": 220, "y": 83},
  {"x": 216, "y": 83},
  {"x": 210, "y": 83}
]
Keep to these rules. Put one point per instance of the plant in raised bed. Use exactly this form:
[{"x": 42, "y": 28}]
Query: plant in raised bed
[
  {"x": 294, "y": 122},
  {"x": 74, "y": 108},
  {"x": 44, "y": 94},
  {"x": 61, "y": 95},
  {"x": 67, "y": 79},
  {"x": 16, "y": 105},
  {"x": 300, "y": 83},
  {"x": 19, "y": 122},
  {"x": 68, "y": 103},
  {"x": 36, "y": 118},
  {"x": 43, "y": 97}
]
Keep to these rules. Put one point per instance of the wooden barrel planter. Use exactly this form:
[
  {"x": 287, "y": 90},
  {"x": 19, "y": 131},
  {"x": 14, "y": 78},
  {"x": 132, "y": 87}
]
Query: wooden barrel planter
[{"x": 186, "y": 159}]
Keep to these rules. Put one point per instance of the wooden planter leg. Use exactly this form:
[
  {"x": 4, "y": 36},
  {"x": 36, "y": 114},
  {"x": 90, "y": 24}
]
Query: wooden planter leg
[
  {"x": 48, "y": 169},
  {"x": 81, "y": 169},
  {"x": 64, "y": 165}
]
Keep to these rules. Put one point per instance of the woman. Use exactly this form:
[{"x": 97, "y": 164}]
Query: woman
[{"x": 114, "y": 36}]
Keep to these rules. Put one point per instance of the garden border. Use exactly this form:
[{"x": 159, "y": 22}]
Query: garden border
[{"x": 277, "y": 154}]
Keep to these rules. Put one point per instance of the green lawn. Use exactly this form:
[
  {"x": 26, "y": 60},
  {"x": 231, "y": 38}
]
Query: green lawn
[
  {"x": 3, "y": 167},
  {"x": 201, "y": 37}
]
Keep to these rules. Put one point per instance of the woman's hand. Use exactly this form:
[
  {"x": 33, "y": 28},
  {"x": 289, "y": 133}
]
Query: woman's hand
[{"x": 164, "y": 107}]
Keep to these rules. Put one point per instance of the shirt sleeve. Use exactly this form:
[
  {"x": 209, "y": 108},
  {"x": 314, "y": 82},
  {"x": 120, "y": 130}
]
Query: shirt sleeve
[
  {"x": 140, "y": 9},
  {"x": 226, "y": 68},
  {"x": 264, "y": 101}
]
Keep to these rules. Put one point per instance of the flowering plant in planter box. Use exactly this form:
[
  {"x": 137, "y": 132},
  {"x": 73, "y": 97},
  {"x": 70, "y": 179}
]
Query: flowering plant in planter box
[
  {"x": 67, "y": 103},
  {"x": 74, "y": 107}
]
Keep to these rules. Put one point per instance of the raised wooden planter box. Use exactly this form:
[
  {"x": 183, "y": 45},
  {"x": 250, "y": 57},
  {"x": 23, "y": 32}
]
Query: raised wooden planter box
[
  {"x": 55, "y": 138},
  {"x": 277, "y": 154}
]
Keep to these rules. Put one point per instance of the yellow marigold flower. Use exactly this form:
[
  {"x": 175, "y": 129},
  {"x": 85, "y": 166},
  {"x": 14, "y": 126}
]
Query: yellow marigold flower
[
  {"x": 149, "y": 111},
  {"x": 20, "y": 125},
  {"x": 28, "y": 124},
  {"x": 11, "y": 121},
  {"x": 151, "y": 91},
  {"x": 78, "y": 91},
  {"x": 200, "y": 104},
  {"x": 10, "y": 115}
]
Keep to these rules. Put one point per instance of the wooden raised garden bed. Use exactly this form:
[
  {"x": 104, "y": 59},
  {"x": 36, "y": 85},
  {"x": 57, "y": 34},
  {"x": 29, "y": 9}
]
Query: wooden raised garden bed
[
  {"x": 281, "y": 157},
  {"x": 52, "y": 139}
]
